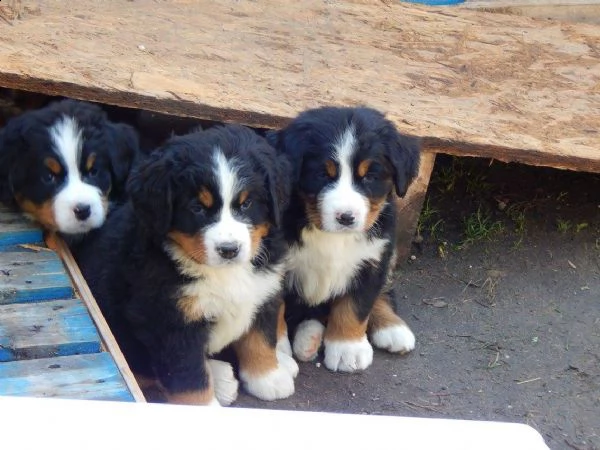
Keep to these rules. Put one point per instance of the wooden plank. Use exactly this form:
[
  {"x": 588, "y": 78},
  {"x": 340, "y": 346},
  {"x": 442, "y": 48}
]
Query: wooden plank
[
  {"x": 409, "y": 208},
  {"x": 565, "y": 10},
  {"x": 88, "y": 377},
  {"x": 507, "y": 86},
  {"x": 32, "y": 277},
  {"x": 16, "y": 229},
  {"x": 44, "y": 330},
  {"x": 88, "y": 299}
]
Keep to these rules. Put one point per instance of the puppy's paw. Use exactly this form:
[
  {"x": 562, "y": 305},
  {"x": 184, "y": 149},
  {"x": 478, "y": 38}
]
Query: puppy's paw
[
  {"x": 348, "y": 356},
  {"x": 225, "y": 383},
  {"x": 288, "y": 363},
  {"x": 284, "y": 346},
  {"x": 308, "y": 339},
  {"x": 274, "y": 385},
  {"x": 394, "y": 339}
]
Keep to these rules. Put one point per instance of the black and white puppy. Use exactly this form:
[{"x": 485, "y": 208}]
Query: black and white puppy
[
  {"x": 340, "y": 227},
  {"x": 194, "y": 262},
  {"x": 61, "y": 164}
]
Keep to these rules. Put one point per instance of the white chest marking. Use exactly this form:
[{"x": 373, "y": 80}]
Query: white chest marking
[
  {"x": 228, "y": 296},
  {"x": 325, "y": 264}
]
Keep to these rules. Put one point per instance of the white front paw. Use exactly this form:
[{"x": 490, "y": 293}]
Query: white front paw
[
  {"x": 225, "y": 383},
  {"x": 288, "y": 363},
  {"x": 348, "y": 356},
  {"x": 283, "y": 345},
  {"x": 308, "y": 339},
  {"x": 395, "y": 339},
  {"x": 276, "y": 384}
]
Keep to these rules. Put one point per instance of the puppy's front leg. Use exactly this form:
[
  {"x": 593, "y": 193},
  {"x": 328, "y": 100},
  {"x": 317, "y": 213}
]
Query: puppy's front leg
[
  {"x": 266, "y": 371},
  {"x": 347, "y": 348},
  {"x": 182, "y": 368}
]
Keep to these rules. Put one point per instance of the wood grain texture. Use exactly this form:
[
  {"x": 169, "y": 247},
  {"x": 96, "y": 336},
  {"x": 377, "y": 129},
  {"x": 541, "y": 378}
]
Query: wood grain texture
[
  {"x": 29, "y": 276},
  {"x": 16, "y": 229},
  {"x": 506, "y": 87},
  {"x": 88, "y": 377},
  {"x": 108, "y": 339},
  {"x": 44, "y": 330}
]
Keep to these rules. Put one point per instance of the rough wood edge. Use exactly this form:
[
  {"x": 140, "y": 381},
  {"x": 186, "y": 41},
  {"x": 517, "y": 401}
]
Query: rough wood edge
[
  {"x": 506, "y": 154},
  {"x": 173, "y": 106},
  {"x": 108, "y": 340}
]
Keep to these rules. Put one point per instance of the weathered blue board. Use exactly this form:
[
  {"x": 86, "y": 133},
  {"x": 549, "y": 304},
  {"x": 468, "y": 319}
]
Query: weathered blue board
[{"x": 49, "y": 345}]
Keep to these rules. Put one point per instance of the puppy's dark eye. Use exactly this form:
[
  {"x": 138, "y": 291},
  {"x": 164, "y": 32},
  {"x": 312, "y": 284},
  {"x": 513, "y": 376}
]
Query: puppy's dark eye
[
  {"x": 197, "y": 207},
  {"x": 246, "y": 204},
  {"x": 93, "y": 172},
  {"x": 48, "y": 178},
  {"x": 369, "y": 178}
]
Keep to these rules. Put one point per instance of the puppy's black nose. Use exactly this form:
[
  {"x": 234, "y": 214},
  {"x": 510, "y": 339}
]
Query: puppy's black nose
[
  {"x": 82, "y": 211},
  {"x": 345, "y": 219},
  {"x": 228, "y": 250}
]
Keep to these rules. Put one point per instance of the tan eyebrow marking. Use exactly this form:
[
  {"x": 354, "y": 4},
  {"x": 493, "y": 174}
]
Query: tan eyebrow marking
[
  {"x": 331, "y": 168},
  {"x": 90, "y": 162},
  {"x": 53, "y": 165},
  {"x": 363, "y": 167},
  {"x": 206, "y": 197}
]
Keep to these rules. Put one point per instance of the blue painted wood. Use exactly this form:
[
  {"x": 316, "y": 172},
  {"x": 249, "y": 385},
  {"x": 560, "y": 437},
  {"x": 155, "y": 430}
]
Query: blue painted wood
[
  {"x": 16, "y": 229},
  {"x": 89, "y": 377},
  {"x": 53, "y": 328},
  {"x": 29, "y": 276}
]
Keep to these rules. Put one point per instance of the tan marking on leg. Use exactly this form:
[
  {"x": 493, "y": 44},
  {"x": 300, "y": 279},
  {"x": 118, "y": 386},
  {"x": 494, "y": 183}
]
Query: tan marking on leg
[
  {"x": 199, "y": 397},
  {"x": 363, "y": 167},
  {"x": 206, "y": 197},
  {"x": 375, "y": 207},
  {"x": 255, "y": 354},
  {"x": 42, "y": 213},
  {"x": 343, "y": 324},
  {"x": 192, "y": 245},
  {"x": 281, "y": 325},
  {"x": 382, "y": 315},
  {"x": 257, "y": 234}
]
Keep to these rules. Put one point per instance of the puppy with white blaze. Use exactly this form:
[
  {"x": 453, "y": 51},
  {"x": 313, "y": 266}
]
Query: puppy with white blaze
[
  {"x": 348, "y": 165},
  {"x": 193, "y": 264},
  {"x": 63, "y": 164}
]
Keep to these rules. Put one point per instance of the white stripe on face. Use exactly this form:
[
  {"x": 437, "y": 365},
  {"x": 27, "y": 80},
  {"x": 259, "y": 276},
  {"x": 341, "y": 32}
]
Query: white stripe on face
[
  {"x": 227, "y": 233},
  {"x": 343, "y": 208},
  {"x": 67, "y": 141}
]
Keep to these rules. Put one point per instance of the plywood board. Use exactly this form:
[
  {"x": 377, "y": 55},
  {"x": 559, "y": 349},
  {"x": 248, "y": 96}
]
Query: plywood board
[{"x": 474, "y": 83}]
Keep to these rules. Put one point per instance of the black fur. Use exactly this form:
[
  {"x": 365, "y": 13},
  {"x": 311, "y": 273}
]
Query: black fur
[
  {"x": 309, "y": 142},
  {"x": 25, "y": 143},
  {"x": 136, "y": 279}
]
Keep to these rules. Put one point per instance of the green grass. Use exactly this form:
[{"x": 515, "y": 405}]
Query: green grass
[
  {"x": 479, "y": 226},
  {"x": 429, "y": 222}
]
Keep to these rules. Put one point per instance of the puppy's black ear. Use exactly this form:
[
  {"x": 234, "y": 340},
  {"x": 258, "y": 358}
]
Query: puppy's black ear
[
  {"x": 277, "y": 170},
  {"x": 289, "y": 143},
  {"x": 123, "y": 152},
  {"x": 149, "y": 189},
  {"x": 403, "y": 153}
]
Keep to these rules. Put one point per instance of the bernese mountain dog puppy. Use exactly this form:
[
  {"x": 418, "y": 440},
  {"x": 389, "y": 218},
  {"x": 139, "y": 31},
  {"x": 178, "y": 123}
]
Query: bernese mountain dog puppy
[
  {"x": 194, "y": 263},
  {"x": 61, "y": 164},
  {"x": 348, "y": 163}
]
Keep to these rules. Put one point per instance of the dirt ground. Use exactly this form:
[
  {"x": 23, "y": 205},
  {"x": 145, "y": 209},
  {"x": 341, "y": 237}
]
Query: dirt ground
[{"x": 507, "y": 319}]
